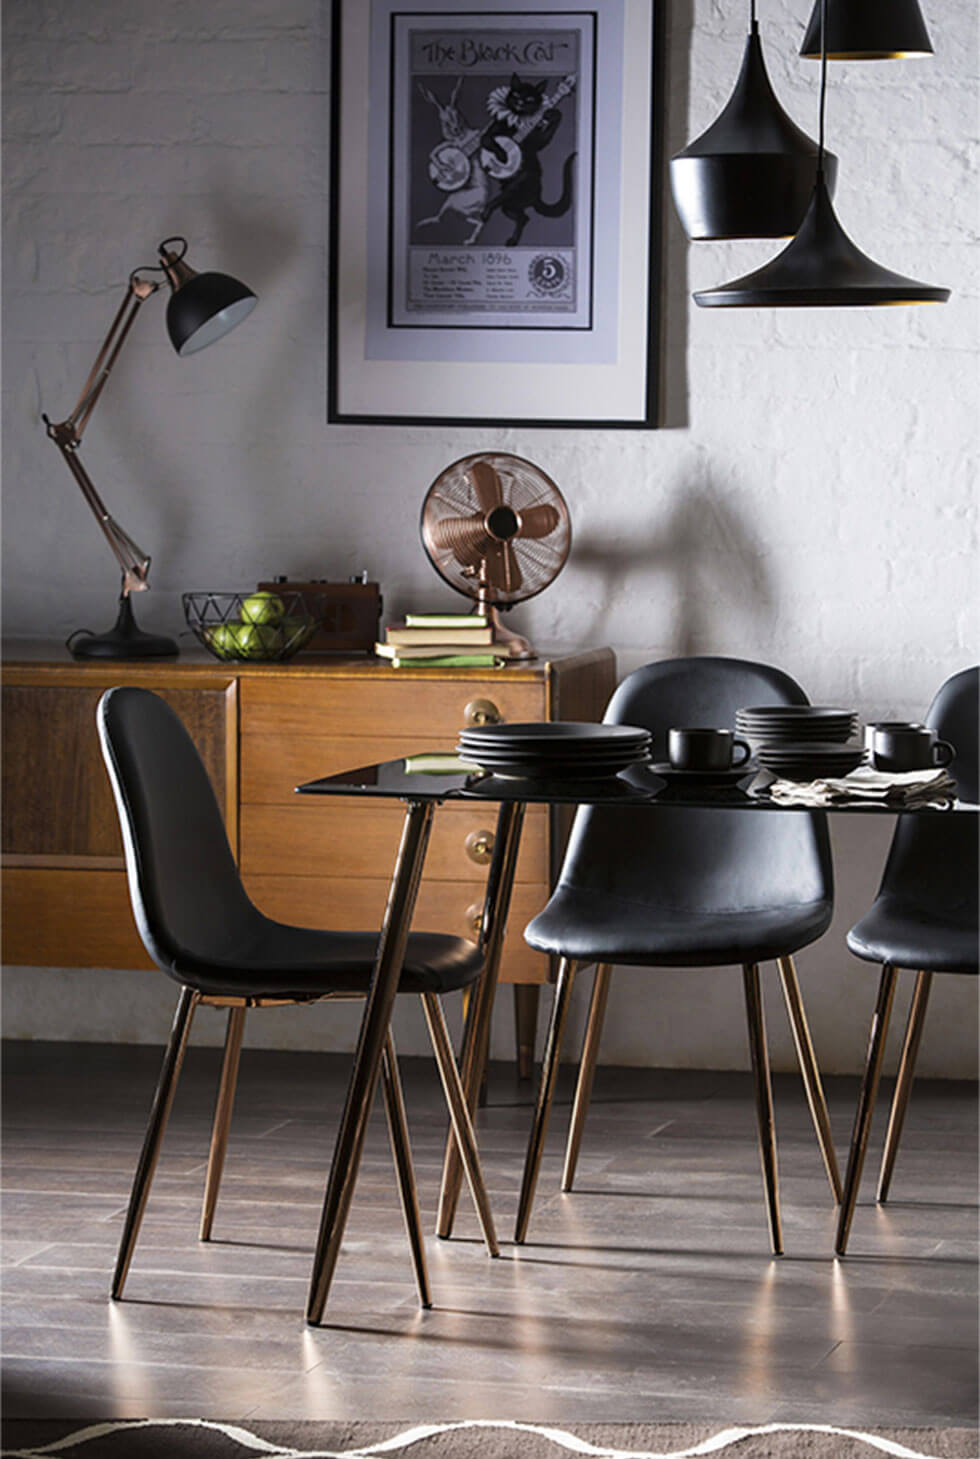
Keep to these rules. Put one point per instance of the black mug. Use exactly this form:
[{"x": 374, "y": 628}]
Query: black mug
[
  {"x": 705, "y": 749},
  {"x": 886, "y": 724},
  {"x": 909, "y": 747}
]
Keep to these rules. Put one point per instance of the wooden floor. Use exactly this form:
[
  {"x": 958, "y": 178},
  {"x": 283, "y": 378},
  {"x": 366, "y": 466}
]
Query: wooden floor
[{"x": 647, "y": 1294}]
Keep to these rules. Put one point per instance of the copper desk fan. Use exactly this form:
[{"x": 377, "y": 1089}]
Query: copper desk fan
[{"x": 497, "y": 529}]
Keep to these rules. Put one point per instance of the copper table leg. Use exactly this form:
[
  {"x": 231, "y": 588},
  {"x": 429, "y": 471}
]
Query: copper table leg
[
  {"x": 370, "y": 1050},
  {"x": 476, "y": 1038}
]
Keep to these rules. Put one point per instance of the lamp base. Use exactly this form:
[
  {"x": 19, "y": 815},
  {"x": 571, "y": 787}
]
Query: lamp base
[{"x": 123, "y": 641}]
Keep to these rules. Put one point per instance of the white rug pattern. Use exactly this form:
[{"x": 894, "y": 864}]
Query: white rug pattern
[{"x": 419, "y": 1433}]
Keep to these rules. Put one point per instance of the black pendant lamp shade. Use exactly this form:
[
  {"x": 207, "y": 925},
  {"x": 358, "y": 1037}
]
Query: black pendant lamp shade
[
  {"x": 202, "y": 307},
  {"x": 751, "y": 174},
  {"x": 868, "y": 30},
  {"x": 821, "y": 266}
]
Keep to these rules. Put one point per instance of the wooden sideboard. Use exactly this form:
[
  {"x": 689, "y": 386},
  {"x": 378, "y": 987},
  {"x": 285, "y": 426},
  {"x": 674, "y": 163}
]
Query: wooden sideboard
[{"x": 262, "y": 729}]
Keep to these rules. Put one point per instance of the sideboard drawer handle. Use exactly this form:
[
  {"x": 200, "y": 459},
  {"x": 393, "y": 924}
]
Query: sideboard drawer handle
[
  {"x": 481, "y": 711},
  {"x": 479, "y": 846},
  {"x": 474, "y": 918}
]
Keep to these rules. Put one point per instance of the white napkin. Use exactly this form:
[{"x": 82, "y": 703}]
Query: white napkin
[{"x": 907, "y": 787}]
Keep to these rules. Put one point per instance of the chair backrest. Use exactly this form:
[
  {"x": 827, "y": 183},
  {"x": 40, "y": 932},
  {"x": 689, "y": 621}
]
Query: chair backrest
[
  {"x": 190, "y": 906},
  {"x": 933, "y": 861},
  {"x": 699, "y": 859}
]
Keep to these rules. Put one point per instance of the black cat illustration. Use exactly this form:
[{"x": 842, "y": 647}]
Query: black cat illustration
[{"x": 524, "y": 122}]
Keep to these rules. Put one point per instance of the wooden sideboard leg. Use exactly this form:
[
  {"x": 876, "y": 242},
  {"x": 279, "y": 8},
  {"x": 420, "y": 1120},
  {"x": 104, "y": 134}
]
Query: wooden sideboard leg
[{"x": 526, "y": 999}]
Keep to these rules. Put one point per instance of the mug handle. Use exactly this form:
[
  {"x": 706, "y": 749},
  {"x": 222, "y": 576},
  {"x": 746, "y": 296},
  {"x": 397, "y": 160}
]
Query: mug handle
[
  {"x": 744, "y": 744},
  {"x": 942, "y": 752}
]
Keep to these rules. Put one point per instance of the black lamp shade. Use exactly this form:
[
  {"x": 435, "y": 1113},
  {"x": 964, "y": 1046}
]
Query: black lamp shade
[
  {"x": 868, "y": 30},
  {"x": 751, "y": 174},
  {"x": 204, "y": 308},
  {"x": 821, "y": 266}
]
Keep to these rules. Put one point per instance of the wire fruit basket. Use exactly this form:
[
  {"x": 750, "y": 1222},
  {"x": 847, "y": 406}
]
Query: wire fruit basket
[{"x": 257, "y": 627}]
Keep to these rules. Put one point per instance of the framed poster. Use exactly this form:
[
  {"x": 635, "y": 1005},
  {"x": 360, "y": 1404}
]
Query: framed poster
[{"x": 494, "y": 213}]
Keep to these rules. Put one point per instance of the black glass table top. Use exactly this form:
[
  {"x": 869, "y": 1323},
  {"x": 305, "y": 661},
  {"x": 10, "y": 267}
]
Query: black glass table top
[{"x": 439, "y": 777}]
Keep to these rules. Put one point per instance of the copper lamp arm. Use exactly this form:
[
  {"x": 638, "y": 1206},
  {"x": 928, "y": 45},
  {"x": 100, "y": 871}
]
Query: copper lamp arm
[
  {"x": 73, "y": 425},
  {"x": 67, "y": 435}
]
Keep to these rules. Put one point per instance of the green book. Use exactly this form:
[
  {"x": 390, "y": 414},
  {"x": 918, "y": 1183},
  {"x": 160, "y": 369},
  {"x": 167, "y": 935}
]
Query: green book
[
  {"x": 445, "y": 620},
  {"x": 451, "y": 661},
  {"x": 435, "y": 763}
]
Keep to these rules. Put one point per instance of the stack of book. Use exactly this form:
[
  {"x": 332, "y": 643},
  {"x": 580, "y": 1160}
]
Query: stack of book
[{"x": 441, "y": 640}]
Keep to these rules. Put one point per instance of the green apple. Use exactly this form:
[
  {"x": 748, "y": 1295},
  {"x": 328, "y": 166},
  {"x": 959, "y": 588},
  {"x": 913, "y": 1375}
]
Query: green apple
[
  {"x": 262, "y": 608},
  {"x": 296, "y": 631},
  {"x": 257, "y": 640},
  {"x": 223, "y": 640}
]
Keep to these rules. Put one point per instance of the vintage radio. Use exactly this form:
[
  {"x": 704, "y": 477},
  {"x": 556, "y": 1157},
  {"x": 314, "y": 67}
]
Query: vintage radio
[{"x": 351, "y": 612}]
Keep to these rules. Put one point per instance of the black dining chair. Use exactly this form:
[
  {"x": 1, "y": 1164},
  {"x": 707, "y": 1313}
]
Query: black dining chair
[
  {"x": 687, "y": 887},
  {"x": 924, "y": 919},
  {"x": 199, "y": 926}
]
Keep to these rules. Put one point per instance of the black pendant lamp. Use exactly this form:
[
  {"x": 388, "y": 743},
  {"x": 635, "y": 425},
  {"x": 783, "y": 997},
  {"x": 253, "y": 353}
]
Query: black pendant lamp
[
  {"x": 820, "y": 266},
  {"x": 868, "y": 30},
  {"x": 751, "y": 174}
]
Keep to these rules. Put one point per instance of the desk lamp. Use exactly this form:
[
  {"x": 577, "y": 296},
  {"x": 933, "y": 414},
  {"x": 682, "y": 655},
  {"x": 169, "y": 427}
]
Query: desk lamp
[{"x": 201, "y": 308}]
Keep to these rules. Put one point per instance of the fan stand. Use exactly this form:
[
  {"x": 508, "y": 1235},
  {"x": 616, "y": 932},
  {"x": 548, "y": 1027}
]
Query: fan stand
[{"x": 516, "y": 645}]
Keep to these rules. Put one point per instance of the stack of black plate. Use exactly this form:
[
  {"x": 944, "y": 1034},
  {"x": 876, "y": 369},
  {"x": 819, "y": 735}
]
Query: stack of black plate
[
  {"x": 554, "y": 751},
  {"x": 814, "y": 760},
  {"x": 796, "y": 724},
  {"x": 801, "y": 741}
]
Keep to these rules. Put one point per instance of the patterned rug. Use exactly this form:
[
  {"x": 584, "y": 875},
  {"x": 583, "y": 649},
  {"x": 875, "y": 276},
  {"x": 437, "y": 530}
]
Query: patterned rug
[{"x": 471, "y": 1439}]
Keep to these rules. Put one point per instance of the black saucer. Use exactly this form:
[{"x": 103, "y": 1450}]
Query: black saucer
[{"x": 704, "y": 777}]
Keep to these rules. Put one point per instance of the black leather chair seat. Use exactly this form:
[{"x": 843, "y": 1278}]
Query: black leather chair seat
[
  {"x": 933, "y": 939},
  {"x": 281, "y": 961},
  {"x": 605, "y": 928}
]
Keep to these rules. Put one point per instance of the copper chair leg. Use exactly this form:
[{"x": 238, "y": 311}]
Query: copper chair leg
[
  {"x": 152, "y": 1140},
  {"x": 866, "y": 1105},
  {"x": 810, "y": 1071},
  {"x": 763, "y": 1101},
  {"x": 903, "y": 1084},
  {"x": 476, "y": 1038},
  {"x": 586, "y": 1071},
  {"x": 371, "y": 1041},
  {"x": 402, "y": 1151},
  {"x": 546, "y": 1090},
  {"x": 222, "y": 1118},
  {"x": 459, "y": 1116}
]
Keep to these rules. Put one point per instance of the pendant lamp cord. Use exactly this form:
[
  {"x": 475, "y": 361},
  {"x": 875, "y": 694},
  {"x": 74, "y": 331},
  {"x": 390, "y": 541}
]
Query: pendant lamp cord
[{"x": 823, "y": 82}]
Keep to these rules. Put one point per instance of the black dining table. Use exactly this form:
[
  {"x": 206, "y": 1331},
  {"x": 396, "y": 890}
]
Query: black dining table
[{"x": 423, "y": 782}]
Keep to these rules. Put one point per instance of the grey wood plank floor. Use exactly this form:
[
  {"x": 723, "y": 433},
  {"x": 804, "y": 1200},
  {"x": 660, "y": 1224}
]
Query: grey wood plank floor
[{"x": 646, "y": 1294}]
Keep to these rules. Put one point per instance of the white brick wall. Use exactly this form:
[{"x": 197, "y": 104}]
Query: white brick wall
[{"x": 810, "y": 501}]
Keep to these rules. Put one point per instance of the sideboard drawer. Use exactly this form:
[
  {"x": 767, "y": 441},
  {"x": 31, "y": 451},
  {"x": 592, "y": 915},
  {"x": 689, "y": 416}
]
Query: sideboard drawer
[
  {"x": 327, "y": 836},
  {"x": 387, "y": 705},
  {"x": 273, "y": 766}
]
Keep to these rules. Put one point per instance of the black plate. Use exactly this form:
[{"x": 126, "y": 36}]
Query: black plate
[
  {"x": 703, "y": 777},
  {"x": 767, "y": 713},
  {"x": 553, "y": 769},
  {"x": 568, "y": 734},
  {"x": 562, "y": 771}
]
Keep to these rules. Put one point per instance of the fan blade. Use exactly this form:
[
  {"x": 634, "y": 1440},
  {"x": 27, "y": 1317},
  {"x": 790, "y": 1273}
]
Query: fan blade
[
  {"x": 502, "y": 568},
  {"x": 539, "y": 521},
  {"x": 486, "y": 483},
  {"x": 465, "y": 537}
]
